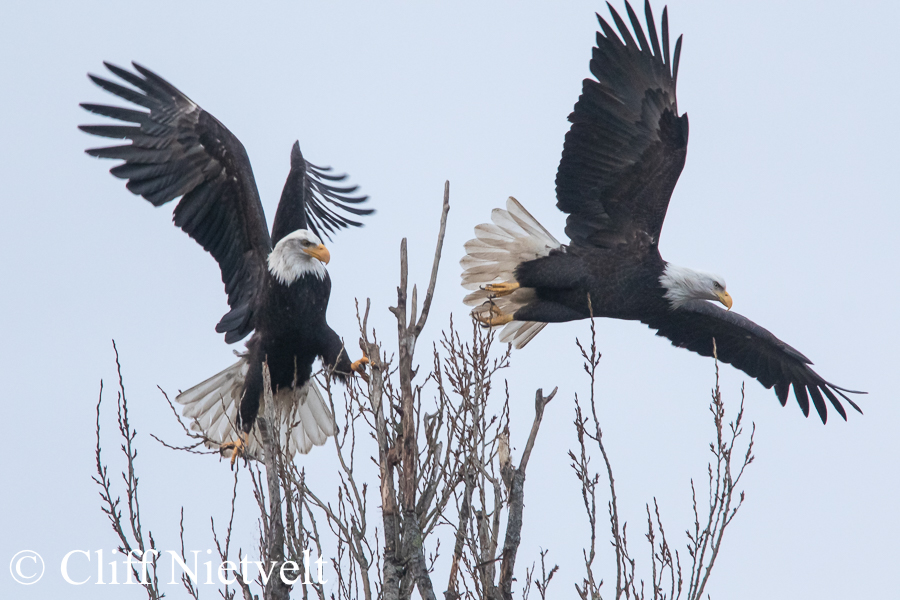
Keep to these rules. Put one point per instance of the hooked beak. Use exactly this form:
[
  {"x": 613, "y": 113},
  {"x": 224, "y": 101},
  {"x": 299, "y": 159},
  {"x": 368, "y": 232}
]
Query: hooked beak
[
  {"x": 320, "y": 252},
  {"x": 725, "y": 298}
]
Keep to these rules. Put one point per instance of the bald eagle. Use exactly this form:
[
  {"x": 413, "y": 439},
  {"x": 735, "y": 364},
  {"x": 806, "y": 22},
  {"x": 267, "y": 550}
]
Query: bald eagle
[
  {"x": 620, "y": 161},
  {"x": 277, "y": 286}
]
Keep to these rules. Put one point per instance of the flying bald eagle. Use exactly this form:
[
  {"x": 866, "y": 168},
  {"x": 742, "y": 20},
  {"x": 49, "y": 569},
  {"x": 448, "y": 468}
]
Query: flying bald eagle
[
  {"x": 277, "y": 285},
  {"x": 621, "y": 159}
]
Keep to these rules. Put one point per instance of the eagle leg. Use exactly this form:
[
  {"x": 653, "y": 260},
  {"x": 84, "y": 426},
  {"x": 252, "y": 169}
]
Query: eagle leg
[
  {"x": 501, "y": 289},
  {"x": 237, "y": 447},
  {"x": 359, "y": 366},
  {"x": 493, "y": 318}
]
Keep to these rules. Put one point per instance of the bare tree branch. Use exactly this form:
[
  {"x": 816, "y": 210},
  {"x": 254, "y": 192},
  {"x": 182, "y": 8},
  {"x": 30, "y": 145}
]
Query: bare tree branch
[
  {"x": 704, "y": 542},
  {"x": 132, "y": 545},
  {"x": 517, "y": 499},
  {"x": 442, "y": 446}
]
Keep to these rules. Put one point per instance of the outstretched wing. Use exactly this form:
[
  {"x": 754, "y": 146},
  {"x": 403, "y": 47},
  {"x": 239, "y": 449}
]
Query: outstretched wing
[
  {"x": 310, "y": 201},
  {"x": 627, "y": 145},
  {"x": 179, "y": 149},
  {"x": 752, "y": 349}
]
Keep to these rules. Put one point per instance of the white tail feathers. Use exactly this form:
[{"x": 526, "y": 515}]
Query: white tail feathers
[
  {"x": 304, "y": 419},
  {"x": 514, "y": 237}
]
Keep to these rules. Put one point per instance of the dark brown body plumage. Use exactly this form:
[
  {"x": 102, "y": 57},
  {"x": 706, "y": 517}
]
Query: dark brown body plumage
[{"x": 620, "y": 283}]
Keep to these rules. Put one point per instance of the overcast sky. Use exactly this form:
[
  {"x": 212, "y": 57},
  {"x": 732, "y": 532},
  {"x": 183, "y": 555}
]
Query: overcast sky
[{"x": 789, "y": 193}]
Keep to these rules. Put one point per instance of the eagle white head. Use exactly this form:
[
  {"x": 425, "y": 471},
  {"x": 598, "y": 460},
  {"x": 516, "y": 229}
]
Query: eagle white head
[
  {"x": 683, "y": 284},
  {"x": 299, "y": 253}
]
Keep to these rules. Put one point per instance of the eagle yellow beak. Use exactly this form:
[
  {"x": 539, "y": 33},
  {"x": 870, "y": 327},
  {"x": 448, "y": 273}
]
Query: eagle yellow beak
[
  {"x": 320, "y": 252},
  {"x": 725, "y": 298}
]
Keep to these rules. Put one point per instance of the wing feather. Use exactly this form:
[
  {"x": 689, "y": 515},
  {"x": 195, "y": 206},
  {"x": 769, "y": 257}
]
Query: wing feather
[
  {"x": 627, "y": 145},
  {"x": 179, "y": 150},
  {"x": 308, "y": 201},
  {"x": 752, "y": 349}
]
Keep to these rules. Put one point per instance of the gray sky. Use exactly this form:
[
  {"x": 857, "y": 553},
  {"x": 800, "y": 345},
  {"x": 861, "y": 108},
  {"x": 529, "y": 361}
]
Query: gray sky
[{"x": 789, "y": 192}]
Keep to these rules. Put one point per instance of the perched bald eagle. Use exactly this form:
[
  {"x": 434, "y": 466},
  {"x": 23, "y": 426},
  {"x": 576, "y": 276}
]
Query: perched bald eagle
[
  {"x": 277, "y": 286},
  {"x": 621, "y": 159}
]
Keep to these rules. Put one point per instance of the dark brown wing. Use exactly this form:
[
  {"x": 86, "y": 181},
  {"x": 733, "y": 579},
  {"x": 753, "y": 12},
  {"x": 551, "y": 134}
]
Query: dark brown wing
[
  {"x": 311, "y": 201},
  {"x": 752, "y": 349},
  {"x": 179, "y": 149},
  {"x": 627, "y": 145}
]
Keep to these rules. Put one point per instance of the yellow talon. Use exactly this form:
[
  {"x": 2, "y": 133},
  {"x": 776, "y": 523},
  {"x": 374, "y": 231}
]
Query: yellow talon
[
  {"x": 501, "y": 289},
  {"x": 359, "y": 366},
  {"x": 494, "y": 318},
  {"x": 237, "y": 447}
]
